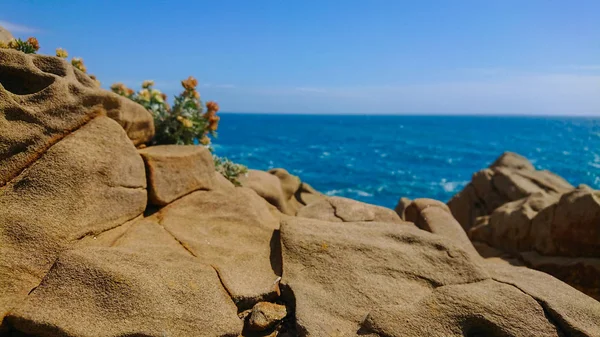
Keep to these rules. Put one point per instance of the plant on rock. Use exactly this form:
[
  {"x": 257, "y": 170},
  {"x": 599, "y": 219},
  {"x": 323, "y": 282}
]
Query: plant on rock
[
  {"x": 185, "y": 123},
  {"x": 29, "y": 46}
]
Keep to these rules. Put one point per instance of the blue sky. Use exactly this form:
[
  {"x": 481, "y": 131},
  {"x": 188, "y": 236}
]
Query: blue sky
[{"x": 412, "y": 57}]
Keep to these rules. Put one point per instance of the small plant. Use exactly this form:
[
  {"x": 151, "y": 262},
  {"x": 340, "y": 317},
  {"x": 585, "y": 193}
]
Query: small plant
[
  {"x": 229, "y": 169},
  {"x": 29, "y": 46}
]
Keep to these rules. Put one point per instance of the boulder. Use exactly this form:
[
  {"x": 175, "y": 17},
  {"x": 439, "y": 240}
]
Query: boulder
[
  {"x": 435, "y": 217},
  {"x": 176, "y": 170},
  {"x": 509, "y": 227},
  {"x": 88, "y": 182},
  {"x": 5, "y": 35},
  {"x": 44, "y": 98},
  {"x": 338, "y": 209},
  {"x": 233, "y": 231},
  {"x": 266, "y": 315},
  {"x": 281, "y": 189},
  {"x": 511, "y": 177},
  {"x": 486, "y": 308},
  {"x": 144, "y": 283},
  {"x": 336, "y": 273},
  {"x": 570, "y": 227},
  {"x": 401, "y": 207}
]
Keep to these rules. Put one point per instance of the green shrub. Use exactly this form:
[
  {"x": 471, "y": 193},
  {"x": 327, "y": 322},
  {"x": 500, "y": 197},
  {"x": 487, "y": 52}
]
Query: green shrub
[
  {"x": 229, "y": 169},
  {"x": 29, "y": 46}
]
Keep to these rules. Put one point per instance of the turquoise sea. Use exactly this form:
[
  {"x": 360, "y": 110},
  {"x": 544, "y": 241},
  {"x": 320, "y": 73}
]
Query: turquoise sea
[{"x": 378, "y": 159}]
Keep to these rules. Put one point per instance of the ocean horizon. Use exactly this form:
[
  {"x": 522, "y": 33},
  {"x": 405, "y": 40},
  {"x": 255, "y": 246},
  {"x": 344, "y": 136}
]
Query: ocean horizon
[{"x": 380, "y": 158}]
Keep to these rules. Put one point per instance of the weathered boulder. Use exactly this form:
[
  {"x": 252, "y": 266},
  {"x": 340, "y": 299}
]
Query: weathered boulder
[
  {"x": 338, "y": 209},
  {"x": 435, "y": 217},
  {"x": 486, "y": 308},
  {"x": 176, "y": 170},
  {"x": 281, "y": 189},
  {"x": 135, "y": 280},
  {"x": 511, "y": 177},
  {"x": 5, "y": 35},
  {"x": 401, "y": 207},
  {"x": 234, "y": 232},
  {"x": 44, "y": 98},
  {"x": 90, "y": 181},
  {"x": 509, "y": 227},
  {"x": 570, "y": 227},
  {"x": 266, "y": 315},
  {"x": 339, "y": 272}
]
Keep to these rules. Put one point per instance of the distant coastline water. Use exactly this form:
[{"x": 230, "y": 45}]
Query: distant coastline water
[{"x": 378, "y": 159}]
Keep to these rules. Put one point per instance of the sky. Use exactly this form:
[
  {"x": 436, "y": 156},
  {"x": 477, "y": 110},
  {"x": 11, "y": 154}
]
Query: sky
[{"x": 527, "y": 57}]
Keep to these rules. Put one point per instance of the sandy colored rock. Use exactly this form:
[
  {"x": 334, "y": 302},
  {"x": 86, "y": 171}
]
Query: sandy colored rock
[
  {"x": 234, "y": 232},
  {"x": 486, "y": 308},
  {"x": 266, "y": 315},
  {"x": 573, "y": 312},
  {"x": 281, "y": 189},
  {"x": 435, "y": 217},
  {"x": 338, "y": 209},
  {"x": 90, "y": 181},
  {"x": 582, "y": 273},
  {"x": 511, "y": 177},
  {"x": 509, "y": 227},
  {"x": 339, "y": 272},
  {"x": 5, "y": 35},
  {"x": 145, "y": 284},
  {"x": 43, "y": 99},
  {"x": 401, "y": 207},
  {"x": 176, "y": 170},
  {"x": 572, "y": 225}
]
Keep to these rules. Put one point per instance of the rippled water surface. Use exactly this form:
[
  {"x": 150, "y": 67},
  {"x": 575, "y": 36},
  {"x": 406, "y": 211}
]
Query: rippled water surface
[{"x": 378, "y": 159}]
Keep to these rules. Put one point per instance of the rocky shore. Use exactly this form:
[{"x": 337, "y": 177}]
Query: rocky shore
[{"x": 102, "y": 236}]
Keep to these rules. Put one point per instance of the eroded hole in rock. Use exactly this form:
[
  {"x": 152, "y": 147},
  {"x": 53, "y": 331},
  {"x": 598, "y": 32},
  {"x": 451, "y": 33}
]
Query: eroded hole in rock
[
  {"x": 51, "y": 65},
  {"x": 22, "y": 82}
]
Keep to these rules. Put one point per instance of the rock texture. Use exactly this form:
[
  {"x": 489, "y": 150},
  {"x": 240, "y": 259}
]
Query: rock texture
[
  {"x": 43, "y": 99},
  {"x": 83, "y": 253},
  {"x": 338, "y": 209},
  {"x": 511, "y": 177},
  {"x": 176, "y": 170},
  {"x": 281, "y": 189},
  {"x": 90, "y": 181},
  {"x": 5, "y": 35}
]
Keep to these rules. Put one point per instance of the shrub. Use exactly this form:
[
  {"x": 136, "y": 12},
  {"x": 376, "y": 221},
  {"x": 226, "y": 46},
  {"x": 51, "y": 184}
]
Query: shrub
[
  {"x": 185, "y": 123},
  {"x": 29, "y": 46},
  {"x": 229, "y": 169}
]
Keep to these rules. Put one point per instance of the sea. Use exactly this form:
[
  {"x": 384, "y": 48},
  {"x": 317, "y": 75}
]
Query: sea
[{"x": 378, "y": 159}]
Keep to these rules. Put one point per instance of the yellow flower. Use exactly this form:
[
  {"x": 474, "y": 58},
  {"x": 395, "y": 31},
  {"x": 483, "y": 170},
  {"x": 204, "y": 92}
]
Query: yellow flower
[
  {"x": 144, "y": 94},
  {"x": 189, "y": 84},
  {"x": 180, "y": 118},
  {"x": 188, "y": 123},
  {"x": 205, "y": 140},
  {"x": 147, "y": 84},
  {"x": 13, "y": 44},
  {"x": 78, "y": 63},
  {"x": 61, "y": 53}
]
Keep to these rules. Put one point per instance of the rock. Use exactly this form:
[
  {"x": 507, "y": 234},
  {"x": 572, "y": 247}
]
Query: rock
[
  {"x": 574, "y": 313},
  {"x": 5, "y": 35},
  {"x": 570, "y": 227},
  {"x": 510, "y": 226},
  {"x": 338, "y": 209},
  {"x": 234, "y": 232},
  {"x": 486, "y": 308},
  {"x": 401, "y": 206},
  {"x": 266, "y": 315},
  {"x": 511, "y": 177},
  {"x": 43, "y": 99},
  {"x": 280, "y": 189},
  {"x": 435, "y": 217},
  {"x": 176, "y": 170},
  {"x": 338, "y": 272},
  {"x": 88, "y": 182},
  {"x": 144, "y": 283},
  {"x": 582, "y": 273},
  {"x": 222, "y": 183}
]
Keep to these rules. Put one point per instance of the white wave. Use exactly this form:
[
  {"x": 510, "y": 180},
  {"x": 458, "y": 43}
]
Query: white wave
[
  {"x": 452, "y": 186},
  {"x": 347, "y": 191}
]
